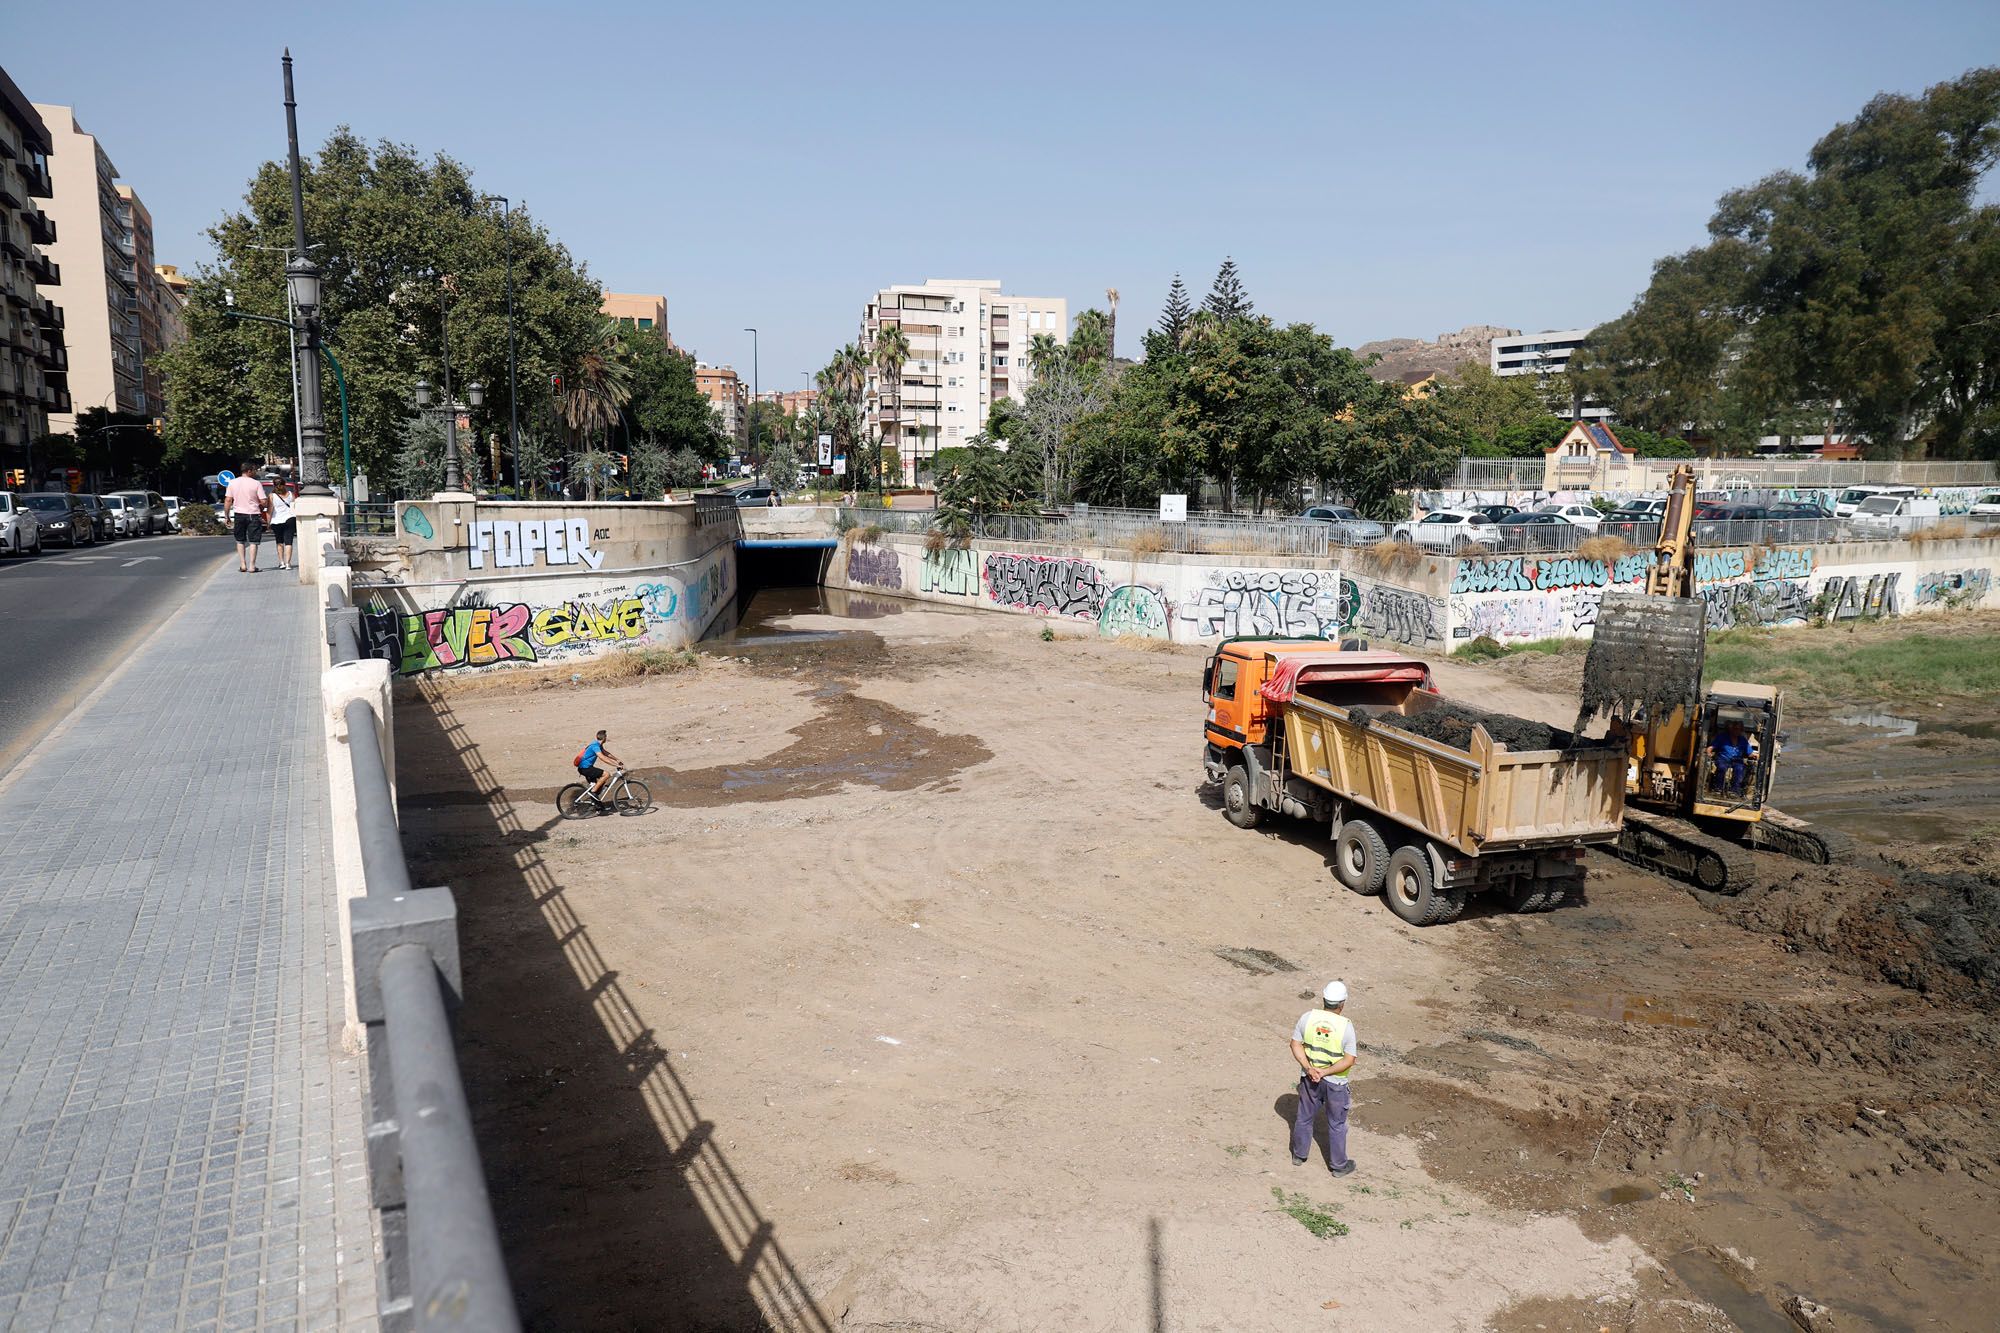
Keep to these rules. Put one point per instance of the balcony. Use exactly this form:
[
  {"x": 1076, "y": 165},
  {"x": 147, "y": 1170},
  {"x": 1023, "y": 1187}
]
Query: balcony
[
  {"x": 53, "y": 357},
  {"x": 52, "y": 315},
  {"x": 9, "y": 245},
  {"x": 41, "y": 228},
  {"x": 8, "y": 194},
  {"x": 37, "y": 174},
  {"x": 45, "y": 271},
  {"x": 55, "y": 398}
]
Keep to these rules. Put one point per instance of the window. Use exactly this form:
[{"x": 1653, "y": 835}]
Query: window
[
  {"x": 1225, "y": 680},
  {"x": 951, "y": 382},
  {"x": 1000, "y": 359},
  {"x": 954, "y": 432},
  {"x": 645, "y": 321}
]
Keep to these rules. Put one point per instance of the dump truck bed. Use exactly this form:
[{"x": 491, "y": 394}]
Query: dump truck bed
[{"x": 1478, "y": 800}]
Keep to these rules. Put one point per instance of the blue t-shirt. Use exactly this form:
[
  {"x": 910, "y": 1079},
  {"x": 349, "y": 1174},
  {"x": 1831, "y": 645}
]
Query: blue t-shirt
[
  {"x": 1729, "y": 748},
  {"x": 590, "y": 753}
]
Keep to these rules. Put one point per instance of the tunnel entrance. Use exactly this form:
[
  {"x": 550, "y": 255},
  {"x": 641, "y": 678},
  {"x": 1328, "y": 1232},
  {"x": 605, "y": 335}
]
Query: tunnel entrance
[{"x": 776, "y": 577}]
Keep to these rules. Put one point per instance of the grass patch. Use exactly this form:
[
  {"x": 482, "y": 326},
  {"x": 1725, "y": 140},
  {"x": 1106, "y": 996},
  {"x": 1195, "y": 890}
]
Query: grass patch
[
  {"x": 623, "y": 664},
  {"x": 1393, "y": 556},
  {"x": 1885, "y": 663},
  {"x": 1149, "y": 542},
  {"x": 1950, "y": 530},
  {"x": 1606, "y": 550},
  {"x": 1144, "y": 643},
  {"x": 1485, "y": 648},
  {"x": 1314, "y": 1218}
]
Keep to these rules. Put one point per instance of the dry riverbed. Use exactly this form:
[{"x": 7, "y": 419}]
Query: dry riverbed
[{"x": 937, "y": 994}]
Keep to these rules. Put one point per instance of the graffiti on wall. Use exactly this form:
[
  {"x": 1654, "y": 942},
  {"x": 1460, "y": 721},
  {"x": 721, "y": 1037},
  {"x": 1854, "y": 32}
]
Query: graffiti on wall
[
  {"x": 525, "y": 543},
  {"x": 1265, "y": 601},
  {"x": 950, "y": 571},
  {"x": 478, "y": 636},
  {"x": 1058, "y": 587},
  {"x": 1558, "y": 573},
  {"x": 1952, "y": 587},
  {"x": 1769, "y": 602},
  {"x": 1858, "y": 596},
  {"x": 876, "y": 566},
  {"x": 1382, "y": 611},
  {"x": 1135, "y": 608}
]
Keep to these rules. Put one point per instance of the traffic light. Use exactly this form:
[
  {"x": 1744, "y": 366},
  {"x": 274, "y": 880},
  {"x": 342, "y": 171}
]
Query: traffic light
[
  {"x": 17, "y": 476},
  {"x": 624, "y": 462},
  {"x": 555, "y": 384}
]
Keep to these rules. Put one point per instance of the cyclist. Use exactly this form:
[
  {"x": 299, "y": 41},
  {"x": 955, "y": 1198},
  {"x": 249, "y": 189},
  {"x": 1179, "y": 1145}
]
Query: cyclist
[{"x": 586, "y": 764}]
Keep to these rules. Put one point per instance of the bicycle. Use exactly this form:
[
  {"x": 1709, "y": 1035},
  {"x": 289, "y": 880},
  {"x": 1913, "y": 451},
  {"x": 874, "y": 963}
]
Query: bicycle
[{"x": 623, "y": 795}]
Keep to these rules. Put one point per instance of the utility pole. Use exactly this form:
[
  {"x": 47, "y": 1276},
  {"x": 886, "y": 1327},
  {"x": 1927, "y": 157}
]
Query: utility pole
[
  {"x": 513, "y": 391},
  {"x": 755, "y": 466}
]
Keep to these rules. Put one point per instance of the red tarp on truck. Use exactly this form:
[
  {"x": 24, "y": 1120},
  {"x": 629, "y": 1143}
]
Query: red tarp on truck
[{"x": 1292, "y": 670}]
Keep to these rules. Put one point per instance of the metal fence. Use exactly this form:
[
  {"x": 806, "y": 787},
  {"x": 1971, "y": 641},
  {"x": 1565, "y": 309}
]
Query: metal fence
[
  {"x": 372, "y": 520},
  {"x": 1142, "y": 532},
  {"x": 442, "y": 1266},
  {"x": 1528, "y": 474}
]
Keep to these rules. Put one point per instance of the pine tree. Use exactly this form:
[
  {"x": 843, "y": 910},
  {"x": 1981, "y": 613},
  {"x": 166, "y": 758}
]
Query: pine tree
[
  {"x": 1227, "y": 299},
  {"x": 1174, "y": 319}
]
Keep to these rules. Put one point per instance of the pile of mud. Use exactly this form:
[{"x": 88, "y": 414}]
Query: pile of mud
[
  {"x": 1926, "y": 919},
  {"x": 1451, "y": 723}
]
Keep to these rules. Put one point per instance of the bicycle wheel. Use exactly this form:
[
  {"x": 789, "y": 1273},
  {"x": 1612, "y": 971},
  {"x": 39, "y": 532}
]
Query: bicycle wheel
[
  {"x": 633, "y": 797},
  {"x": 570, "y": 803}
]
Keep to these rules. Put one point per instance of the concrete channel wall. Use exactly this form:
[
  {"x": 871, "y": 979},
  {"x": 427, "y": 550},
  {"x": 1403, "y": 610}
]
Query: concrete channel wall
[
  {"x": 478, "y": 585},
  {"x": 1437, "y": 603}
]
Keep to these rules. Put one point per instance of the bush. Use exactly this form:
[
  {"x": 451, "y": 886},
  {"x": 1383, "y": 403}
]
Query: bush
[
  {"x": 199, "y": 520},
  {"x": 1604, "y": 549}
]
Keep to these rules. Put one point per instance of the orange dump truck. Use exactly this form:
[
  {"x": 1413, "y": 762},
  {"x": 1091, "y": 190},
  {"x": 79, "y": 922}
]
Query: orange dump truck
[{"x": 1297, "y": 728}]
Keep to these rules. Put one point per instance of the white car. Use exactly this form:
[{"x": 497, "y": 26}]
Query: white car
[
  {"x": 173, "y": 503},
  {"x": 20, "y": 530},
  {"x": 1584, "y": 516},
  {"x": 127, "y": 520},
  {"x": 1852, "y": 498},
  {"x": 1886, "y": 517},
  {"x": 1450, "y": 530},
  {"x": 1986, "y": 507}
]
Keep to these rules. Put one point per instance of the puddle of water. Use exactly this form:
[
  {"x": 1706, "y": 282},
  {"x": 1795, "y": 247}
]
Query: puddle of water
[
  {"x": 1889, "y": 722},
  {"x": 1619, "y": 1195},
  {"x": 1893, "y": 725},
  {"x": 1713, "y": 1283},
  {"x": 1616, "y": 1007},
  {"x": 1258, "y": 962}
]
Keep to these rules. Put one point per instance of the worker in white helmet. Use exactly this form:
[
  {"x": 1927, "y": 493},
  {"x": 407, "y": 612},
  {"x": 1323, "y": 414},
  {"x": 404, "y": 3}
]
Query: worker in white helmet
[{"x": 1323, "y": 1044}]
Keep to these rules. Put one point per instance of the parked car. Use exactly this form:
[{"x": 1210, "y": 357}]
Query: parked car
[
  {"x": 1542, "y": 530},
  {"x": 1637, "y": 521},
  {"x": 757, "y": 497},
  {"x": 148, "y": 508},
  {"x": 100, "y": 514},
  {"x": 1450, "y": 530},
  {"x": 1851, "y": 498},
  {"x": 63, "y": 518},
  {"x": 1986, "y": 507},
  {"x": 20, "y": 530},
  {"x": 1797, "y": 521},
  {"x": 173, "y": 503},
  {"x": 1884, "y": 517},
  {"x": 1720, "y": 524},
  {"x": 1349, "y": 528},
  {"x": 1584, "y": 516},
  {"x": 1494, "y": 512}
]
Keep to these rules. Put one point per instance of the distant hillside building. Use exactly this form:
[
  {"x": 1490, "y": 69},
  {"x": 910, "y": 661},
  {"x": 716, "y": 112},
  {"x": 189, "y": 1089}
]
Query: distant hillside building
[{"x": 1542, "y": 355}]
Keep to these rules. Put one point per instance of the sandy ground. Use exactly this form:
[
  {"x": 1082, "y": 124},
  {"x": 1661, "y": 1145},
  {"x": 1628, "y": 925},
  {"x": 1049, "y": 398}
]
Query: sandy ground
[{"x": 920, "y": 1001}]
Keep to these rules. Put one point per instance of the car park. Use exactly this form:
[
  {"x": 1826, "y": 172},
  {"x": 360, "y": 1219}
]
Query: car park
[
  {"x": 1986, "y": 507},
  {"x": 100, "y": 514},
  {"x": 757, "y": 497},
  {"x": 1584, "y": 516},
  {"x": 147, "y": 508},
  {"x": 20, "y": 530},
  {"x": 63, "y": 519},
  {"x": 1886, "y": 517},
  {"x": 1495, "y": 512},
  {"x": 1348, "y": 527},
  {"x": 1538, "y": 531},
  {"x": 1723, "y": 524},
  {"x": 1450, "y": 530},
  {"x": 1797, "y": 521},
  {"x": 1637, "y": 521}
]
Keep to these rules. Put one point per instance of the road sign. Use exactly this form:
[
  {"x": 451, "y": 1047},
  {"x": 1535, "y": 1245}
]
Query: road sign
[{"x": 225, "y": 476}]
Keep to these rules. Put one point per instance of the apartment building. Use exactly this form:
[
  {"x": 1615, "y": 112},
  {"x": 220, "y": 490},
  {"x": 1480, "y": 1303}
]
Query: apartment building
[
  {"x": 790, "y": 402},
  {"x": 33, "y": 382},
  {"x": 728, "y": 398},
  {"x": 172, "y": 290},
  {"x": 157, "y": 322},
  {"x": 95, "y": 251},
  {"x": 643, "y": 311},
  {"x": 968, "y": 350},
  {"x": 1544, "y": 354}
]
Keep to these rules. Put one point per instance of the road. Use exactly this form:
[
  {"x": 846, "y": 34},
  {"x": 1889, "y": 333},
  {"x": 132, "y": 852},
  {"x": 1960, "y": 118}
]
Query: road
[{"x": 72, "y": 616}]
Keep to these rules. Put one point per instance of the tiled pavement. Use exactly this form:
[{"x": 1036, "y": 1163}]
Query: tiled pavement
[{"x": 180, "y": 1133}]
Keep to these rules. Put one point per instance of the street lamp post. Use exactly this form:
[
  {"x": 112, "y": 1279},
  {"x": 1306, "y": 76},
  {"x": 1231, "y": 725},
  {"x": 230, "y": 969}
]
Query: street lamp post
[
  {"x": 513, "y": 388},
  {"x": 302, "y": 278},
  {"x": 475, "y": 394},
  {"x": 755, "y": 465}
]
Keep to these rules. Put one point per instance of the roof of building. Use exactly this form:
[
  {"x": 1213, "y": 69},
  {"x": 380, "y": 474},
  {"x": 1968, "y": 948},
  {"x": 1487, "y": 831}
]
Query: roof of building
[
  {"x": 1596, "y": 434},
  {"x": 22, "y": 112}
]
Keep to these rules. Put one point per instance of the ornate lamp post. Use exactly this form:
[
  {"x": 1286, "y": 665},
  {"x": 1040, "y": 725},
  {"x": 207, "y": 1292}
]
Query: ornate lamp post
[{"x": 475, "y": 394}]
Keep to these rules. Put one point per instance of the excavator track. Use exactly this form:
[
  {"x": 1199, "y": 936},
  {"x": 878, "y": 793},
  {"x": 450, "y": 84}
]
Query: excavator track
[
  {"x": 1788, "y": 836},
  {"x": 1679, "y": 850}
]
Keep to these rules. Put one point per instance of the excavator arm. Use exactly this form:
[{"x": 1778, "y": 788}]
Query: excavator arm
[{"x": 1648, "y": 648}]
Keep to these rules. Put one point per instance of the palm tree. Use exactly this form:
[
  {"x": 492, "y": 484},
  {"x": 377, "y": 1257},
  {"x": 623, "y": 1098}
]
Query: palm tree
[
  {"x": 1111, "y": 326},
  {"x": 1088, "y": 341},
  {"x": 597, "y": 391},
  {"x": 1043, "y": 351},
  {"x": 892, "y": 349}
]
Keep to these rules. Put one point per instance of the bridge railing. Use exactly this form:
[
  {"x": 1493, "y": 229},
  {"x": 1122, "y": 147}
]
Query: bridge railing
[{"x": 442, "y": 1265}]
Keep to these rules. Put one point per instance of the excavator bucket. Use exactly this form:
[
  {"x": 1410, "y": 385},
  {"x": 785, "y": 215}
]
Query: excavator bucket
[{"x": 1646, "y": 656}]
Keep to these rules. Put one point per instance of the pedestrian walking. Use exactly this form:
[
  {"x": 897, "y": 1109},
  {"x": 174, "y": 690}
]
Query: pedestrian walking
[
  {"x": 284, "y": 521},
  {"x": 1323, "y": 1044},
  {"x": 248, "y": 508}
]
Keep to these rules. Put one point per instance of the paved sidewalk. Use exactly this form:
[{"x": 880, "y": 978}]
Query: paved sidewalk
[{"x": 180, "y": 1133}]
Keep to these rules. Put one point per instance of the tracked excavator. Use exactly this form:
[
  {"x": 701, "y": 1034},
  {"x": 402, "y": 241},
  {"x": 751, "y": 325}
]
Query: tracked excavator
[{"x": 1687, "y": 816}]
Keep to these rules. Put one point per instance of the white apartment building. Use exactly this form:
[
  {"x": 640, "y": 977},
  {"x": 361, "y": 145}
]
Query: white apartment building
[
  {"x": 968, "y": 349},
  {"x": 1544, "y": 354}
]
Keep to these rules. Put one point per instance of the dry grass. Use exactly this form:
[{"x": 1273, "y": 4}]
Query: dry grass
[
  {"x": 1392, "y": 556},
  {"x": 1150, "y": 542},
  {"x": 620, "y": 666},
  {"x": 1142, "y": 643},
  {"x": 1954, "y": 530},
  {"x": 1604, "y": 550}
]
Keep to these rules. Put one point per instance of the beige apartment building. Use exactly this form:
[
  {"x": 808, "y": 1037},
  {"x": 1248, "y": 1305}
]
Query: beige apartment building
[
  {"x": 790, "y": 402},
  {"x": 159, "y": 310},
  {"x": 645, "y": 312},
  {"x": 172, "y": 290},
  {"x": 968, "y": 350},
  {"x": 32, "y": 379},
  {"x": 94, "y": 249},
  {"x": 728, "y": 398}
]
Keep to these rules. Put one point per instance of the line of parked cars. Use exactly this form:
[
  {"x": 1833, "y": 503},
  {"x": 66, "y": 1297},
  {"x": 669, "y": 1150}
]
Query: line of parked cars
[{"x": 32, "y": 520}]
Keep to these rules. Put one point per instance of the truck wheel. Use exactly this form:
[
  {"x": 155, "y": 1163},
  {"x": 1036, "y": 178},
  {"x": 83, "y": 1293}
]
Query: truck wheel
[
  {"x": 1236, "y": 804},
  {"x": 1413, "y": 892},
  {"x": 1529, "y": 896},
  {"x": 1360, "y": 857}
]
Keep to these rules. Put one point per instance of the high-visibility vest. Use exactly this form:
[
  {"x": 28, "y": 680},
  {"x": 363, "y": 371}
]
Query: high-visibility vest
[{"x": 1326, "y": 1036}]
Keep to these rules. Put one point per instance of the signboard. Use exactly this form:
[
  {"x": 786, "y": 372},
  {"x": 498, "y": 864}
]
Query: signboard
[
  {"x": 840, "y": 466},
  {"x": 826, "y": 451},
  {"x": 1173, "y": 509},
  {"x": 360, "y": 488}
]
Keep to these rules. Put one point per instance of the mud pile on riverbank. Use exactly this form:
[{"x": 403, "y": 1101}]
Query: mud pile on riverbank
[{"x": 1450, "y": 722}]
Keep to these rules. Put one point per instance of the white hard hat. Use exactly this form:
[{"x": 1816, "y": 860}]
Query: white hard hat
[{"x": 1336, "y": 992}]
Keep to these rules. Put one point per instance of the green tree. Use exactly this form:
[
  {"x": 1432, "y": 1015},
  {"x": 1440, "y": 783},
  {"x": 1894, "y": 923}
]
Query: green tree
[
  {"x": 1386, "y": 445},
  {"x": 891, "y": 351},
  {"x": 666, "y": 406},
  {"x": 596, "y": 390},
  {"x": 1480, "y": 404},
  {"x": 1090, "y": 340},
  {"x": 385, "y": 224},
  {"x": 1226, "y": 298},
  {"x": 417, "y": 468},
  {"x": 1175, "y": 314}
]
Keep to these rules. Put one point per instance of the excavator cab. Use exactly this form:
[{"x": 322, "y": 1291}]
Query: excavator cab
[{"x": 1736, "y": 742}]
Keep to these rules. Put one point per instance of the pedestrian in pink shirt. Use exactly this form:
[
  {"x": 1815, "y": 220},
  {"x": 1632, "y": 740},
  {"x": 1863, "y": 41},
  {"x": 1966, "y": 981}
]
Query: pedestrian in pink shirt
[{"x": 248, "y": 508}]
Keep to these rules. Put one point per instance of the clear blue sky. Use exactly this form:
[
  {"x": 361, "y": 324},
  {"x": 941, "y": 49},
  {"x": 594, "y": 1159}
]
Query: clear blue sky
[{"x": 1390, "y": 171}]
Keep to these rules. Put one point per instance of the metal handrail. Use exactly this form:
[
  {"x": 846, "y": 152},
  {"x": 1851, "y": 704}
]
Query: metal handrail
[{"x": 383, "y": 866}]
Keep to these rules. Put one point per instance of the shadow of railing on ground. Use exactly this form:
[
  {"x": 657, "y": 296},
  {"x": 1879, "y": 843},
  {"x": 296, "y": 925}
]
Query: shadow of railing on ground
[{"x": 615, "y": 1203}]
